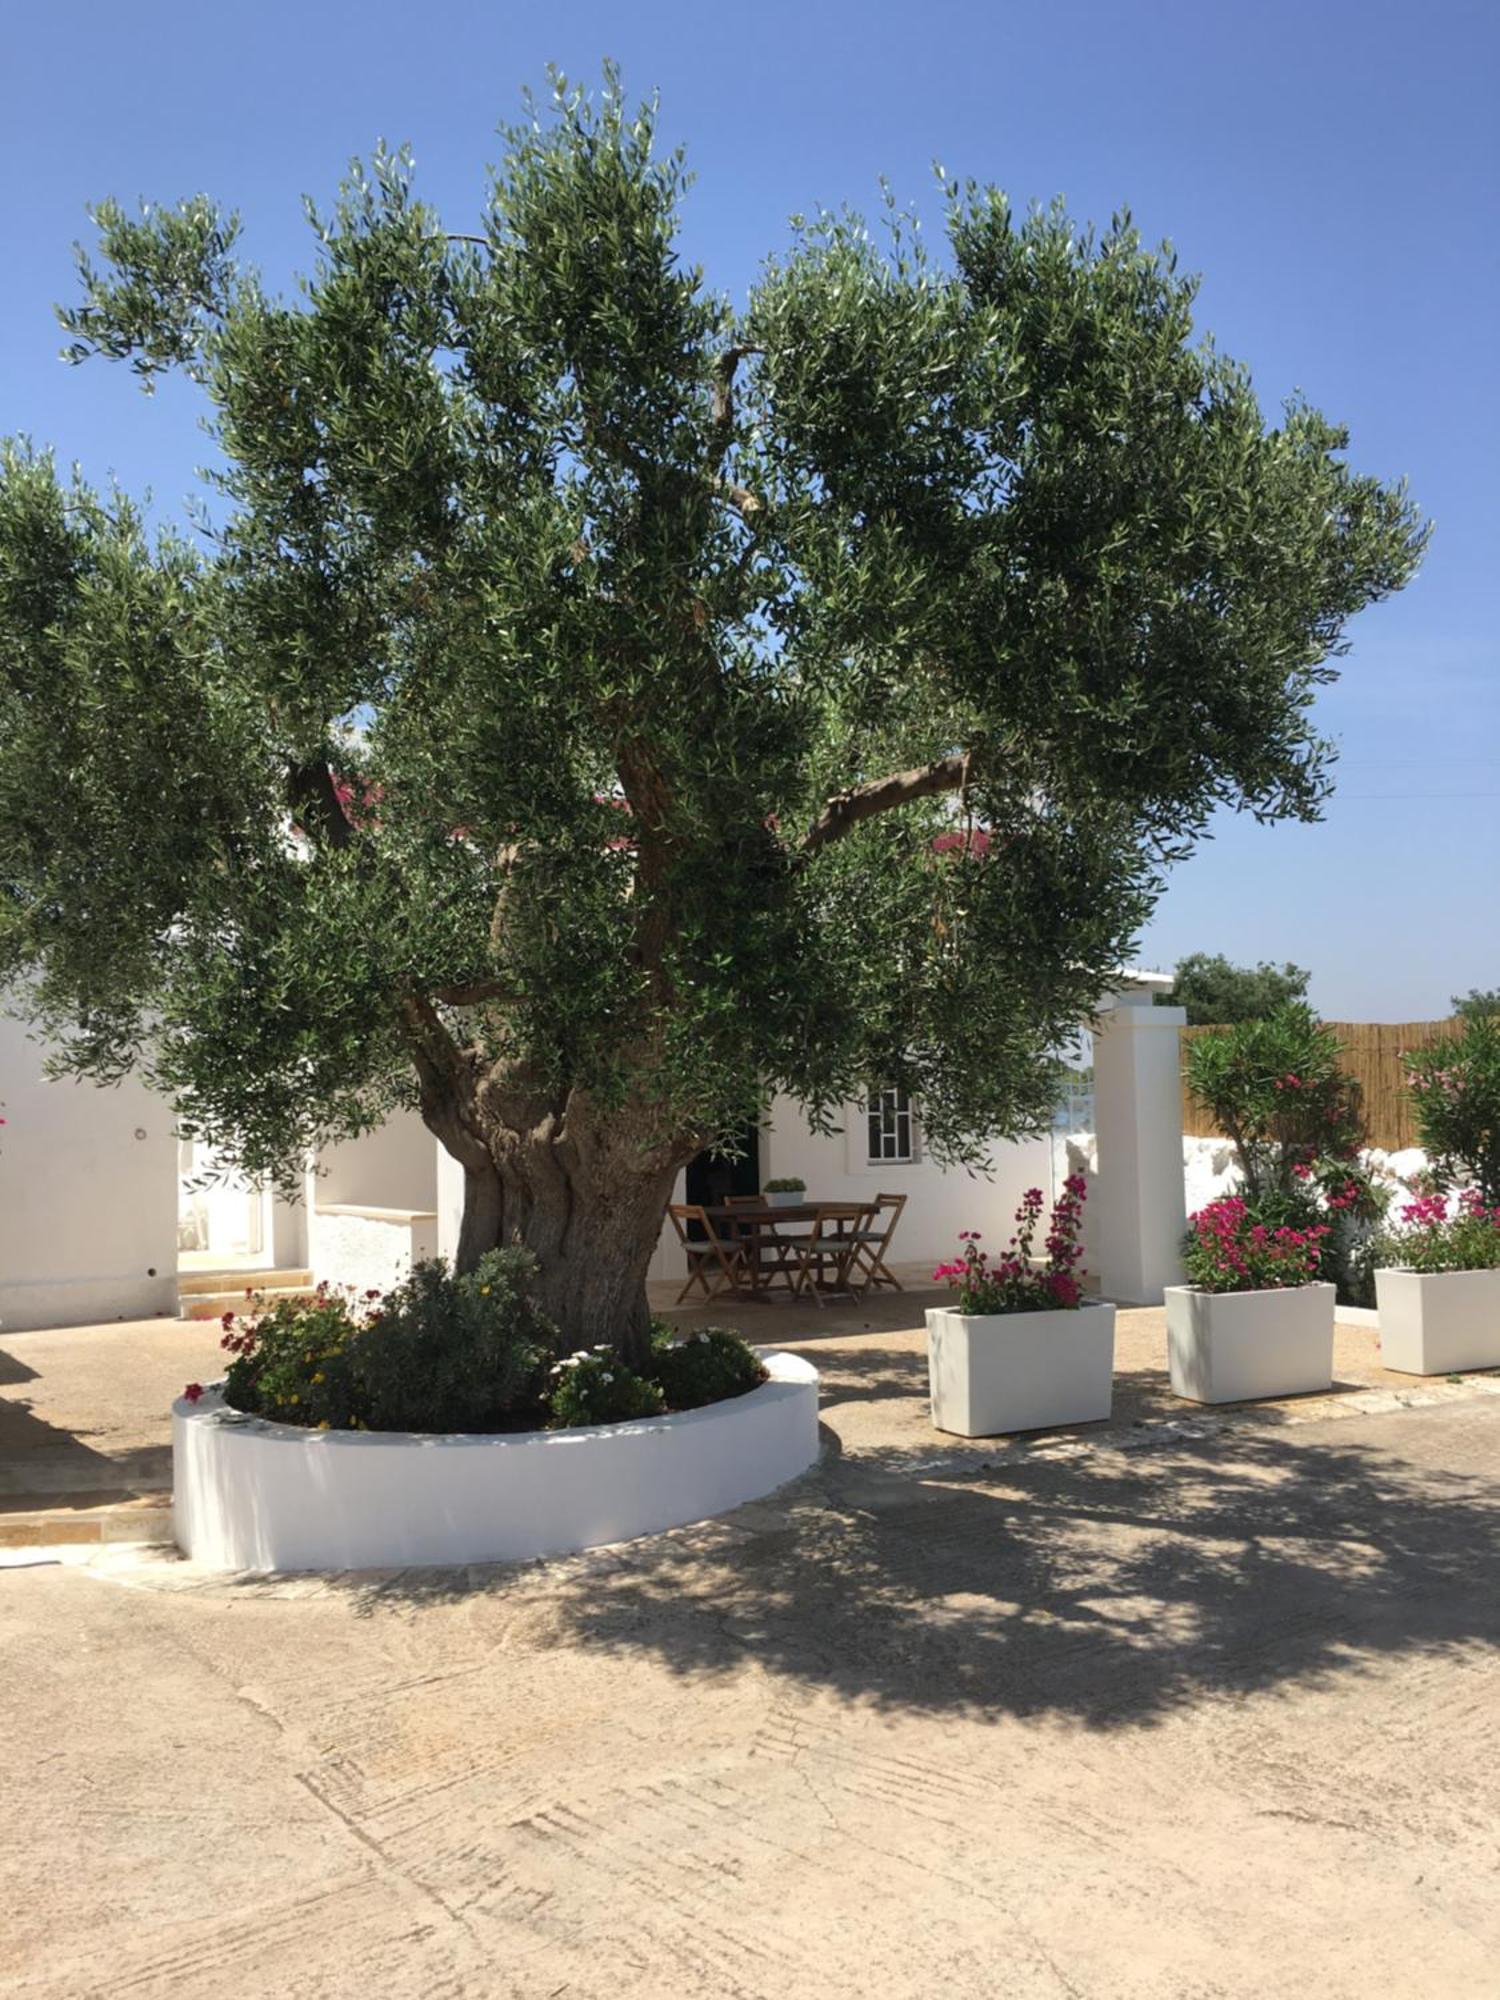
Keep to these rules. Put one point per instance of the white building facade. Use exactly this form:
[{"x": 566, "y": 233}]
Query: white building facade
[{"x": 104, "y": 1216}]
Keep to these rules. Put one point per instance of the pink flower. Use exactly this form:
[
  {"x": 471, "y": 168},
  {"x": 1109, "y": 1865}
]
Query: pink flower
[{"x": 192, "y": 1392}]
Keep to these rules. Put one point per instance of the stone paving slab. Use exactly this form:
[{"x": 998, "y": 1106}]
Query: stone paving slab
[{"x": 1203, "y": 1721}]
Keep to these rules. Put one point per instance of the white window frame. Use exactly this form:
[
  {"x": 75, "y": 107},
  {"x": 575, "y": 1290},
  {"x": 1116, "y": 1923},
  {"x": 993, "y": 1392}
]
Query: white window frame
[{"x": 895, "y": 1110}]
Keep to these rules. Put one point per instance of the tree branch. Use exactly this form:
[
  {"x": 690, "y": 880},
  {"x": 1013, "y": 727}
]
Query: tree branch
[
  {"x": 316, "y": 806},
  {"x": 740, "y": 497},
  {"x": 471, "y": 993},
  {"x": 723, "y": 420},
  {"x": 849, "y": 809}
]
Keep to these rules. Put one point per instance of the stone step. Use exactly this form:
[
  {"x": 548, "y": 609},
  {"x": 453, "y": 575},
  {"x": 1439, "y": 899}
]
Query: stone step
[
  {"x": 145, "y": 1517},
  {"x": 214, "y": 1305},
  {"x": 236, "y": 1280}
]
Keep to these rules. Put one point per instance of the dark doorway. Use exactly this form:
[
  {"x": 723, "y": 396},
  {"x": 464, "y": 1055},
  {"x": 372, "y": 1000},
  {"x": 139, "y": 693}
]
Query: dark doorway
[{"x": 712, "y": 1177}]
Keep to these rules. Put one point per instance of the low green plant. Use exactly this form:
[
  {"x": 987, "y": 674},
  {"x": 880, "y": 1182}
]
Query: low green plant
[
  {"x": 438, "y": 1352},
  {"x": 790, "y": 1185},
  {"x": 471, "y": 1353},
  {"x": 703, "y": 1367},
  {"x": 446, "y": 1352},
  {"x": 594, "y": 1386},
  {"x": 1455, "y": 1092}
]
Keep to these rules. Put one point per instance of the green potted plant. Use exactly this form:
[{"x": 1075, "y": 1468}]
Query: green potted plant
[
  {"x": 1254, "y": 1318},
  {"x": 1277, "y": 1089},
  {"x": 1437, "y": 1286},
  {"x": 1022, "y": 1349},
  {"x": 788, "y": 1192}
]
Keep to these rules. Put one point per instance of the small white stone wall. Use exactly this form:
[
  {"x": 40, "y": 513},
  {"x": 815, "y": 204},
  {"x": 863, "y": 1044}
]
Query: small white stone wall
[
  {"x": 1209, "y": 1171},
  {"x": 369, "y": 1248}
]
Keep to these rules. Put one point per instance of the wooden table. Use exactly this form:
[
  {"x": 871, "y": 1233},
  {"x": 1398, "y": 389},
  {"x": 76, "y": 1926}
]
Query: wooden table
[{"x": 757, "y": 1225}]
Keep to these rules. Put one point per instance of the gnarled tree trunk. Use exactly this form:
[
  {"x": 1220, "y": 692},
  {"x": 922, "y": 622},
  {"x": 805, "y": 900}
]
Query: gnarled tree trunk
[{"x": 583, "y": 1187}]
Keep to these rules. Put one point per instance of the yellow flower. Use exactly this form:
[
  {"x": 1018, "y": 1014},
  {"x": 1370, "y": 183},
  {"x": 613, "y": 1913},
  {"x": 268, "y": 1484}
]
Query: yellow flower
[
  {"x": 319, "y": 1376},
  {"x": 323, "y": 1424},
  {"x": 484, "y": 1291}
]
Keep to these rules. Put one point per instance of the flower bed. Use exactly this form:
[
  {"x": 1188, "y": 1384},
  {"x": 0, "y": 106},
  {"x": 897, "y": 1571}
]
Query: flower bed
[{"x": 250, "y": 1494}]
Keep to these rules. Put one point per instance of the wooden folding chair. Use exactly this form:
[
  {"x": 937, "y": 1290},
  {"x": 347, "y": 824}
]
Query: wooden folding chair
[
  {"x": 872, "y": 1243},
  {"x": 799, "y": 1258},
  {"x": 841, "y": 1251},
  {"x": 748, "y": 1239},
  {"x": 708, "y": 1254}
]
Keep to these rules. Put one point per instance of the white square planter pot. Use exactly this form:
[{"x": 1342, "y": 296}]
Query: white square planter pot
[
  {"x": 1435, "y": 1323},
  {"x": 1006, "y": 1372},
  {"x": 1231, "y": 1347}
]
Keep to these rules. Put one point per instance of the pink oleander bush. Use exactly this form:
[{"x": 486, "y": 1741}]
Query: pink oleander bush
[
  {"x": 1437, "y": 1235},
  {"x": 1016, "y": 1283},
  {"x": 1228, "y": 1250}
]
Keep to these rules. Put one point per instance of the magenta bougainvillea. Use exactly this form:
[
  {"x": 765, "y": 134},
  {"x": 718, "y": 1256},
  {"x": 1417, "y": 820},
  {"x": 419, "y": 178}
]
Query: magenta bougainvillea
[
  {"x": 1227, "y": 1250},
  {"x": 1017, "y": 1282},
  {"x": 1435, "y": 1235}
]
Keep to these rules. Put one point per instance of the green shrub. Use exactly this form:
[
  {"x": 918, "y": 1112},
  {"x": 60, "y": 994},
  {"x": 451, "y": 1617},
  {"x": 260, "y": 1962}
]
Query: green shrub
[
  {"x": 437, "y": 1353},
  {"x": 446, "y": 1353},
  {"x": 469, "y": 1354},
  {"x": 1455, "y": 1091},
  {"x": 703, "y": 1367},
  {"x": 789, "y": 1185},
  {"x": 594, "y": 1386}
]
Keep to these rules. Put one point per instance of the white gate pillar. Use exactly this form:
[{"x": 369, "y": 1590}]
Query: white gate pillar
[{"x": 1142, "y": 1209}]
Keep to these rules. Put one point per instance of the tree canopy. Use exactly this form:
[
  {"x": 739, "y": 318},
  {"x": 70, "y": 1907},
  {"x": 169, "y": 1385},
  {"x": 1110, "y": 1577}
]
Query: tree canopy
[
  {"x": 1215, "y": 991},
  {"x": 1478, "y": 1004},
  {"x": 590, "y": 705}
]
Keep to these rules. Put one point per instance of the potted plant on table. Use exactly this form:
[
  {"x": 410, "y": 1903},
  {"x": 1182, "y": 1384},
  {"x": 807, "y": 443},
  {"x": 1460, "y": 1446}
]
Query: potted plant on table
[
  {"x": 786, "y": 1193},
  {"x": 1023, "y": 1348},
  {"x": 1437, "y": 1286},
  {"x": 1254, "y": 1319}
]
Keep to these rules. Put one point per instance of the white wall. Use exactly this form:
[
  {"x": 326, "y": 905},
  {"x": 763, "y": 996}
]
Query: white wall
[
  {"x": 372, "y": 1205},
  {"x": 1141, "y": 1213},
  {"x": 940, "y": 1201},
  {"x": 395, "y": 1166},
  {"x": 88, "y": 1196}
]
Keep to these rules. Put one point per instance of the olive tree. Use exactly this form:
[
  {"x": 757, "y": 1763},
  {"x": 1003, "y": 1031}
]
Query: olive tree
[{"x": 586, "y": 706}]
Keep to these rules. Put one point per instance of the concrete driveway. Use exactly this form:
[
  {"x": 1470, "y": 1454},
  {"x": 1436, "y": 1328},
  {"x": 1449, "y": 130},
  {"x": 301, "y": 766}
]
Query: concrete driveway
[{"x": 1149, "y": 1714}]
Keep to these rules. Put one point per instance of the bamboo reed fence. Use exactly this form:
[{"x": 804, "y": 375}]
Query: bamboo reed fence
[{"x": 1372, "y": 1053}]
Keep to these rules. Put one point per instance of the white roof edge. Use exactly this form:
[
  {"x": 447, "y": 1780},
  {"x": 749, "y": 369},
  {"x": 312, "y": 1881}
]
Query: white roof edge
[{"x": 1139, "y": 978}]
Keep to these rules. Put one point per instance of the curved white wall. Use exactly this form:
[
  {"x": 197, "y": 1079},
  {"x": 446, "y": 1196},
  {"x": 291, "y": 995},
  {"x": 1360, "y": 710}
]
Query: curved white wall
[{"x": 251, "y": 1495}]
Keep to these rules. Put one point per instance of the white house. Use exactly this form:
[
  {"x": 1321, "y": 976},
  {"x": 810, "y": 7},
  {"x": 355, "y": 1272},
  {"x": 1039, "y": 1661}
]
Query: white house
[{"x": 105, "y": 1215}]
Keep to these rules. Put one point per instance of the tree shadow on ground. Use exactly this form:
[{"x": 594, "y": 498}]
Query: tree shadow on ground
[
  {"x": 47, "y": 1465},
  {"x": 1107, "y": 1588}
]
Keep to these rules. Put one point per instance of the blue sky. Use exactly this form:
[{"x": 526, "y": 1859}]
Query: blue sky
[{"x": 1333, "y": 169}]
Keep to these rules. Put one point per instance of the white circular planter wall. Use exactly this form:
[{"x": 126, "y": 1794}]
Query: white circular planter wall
[{"x": 252, "y": 1495}]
